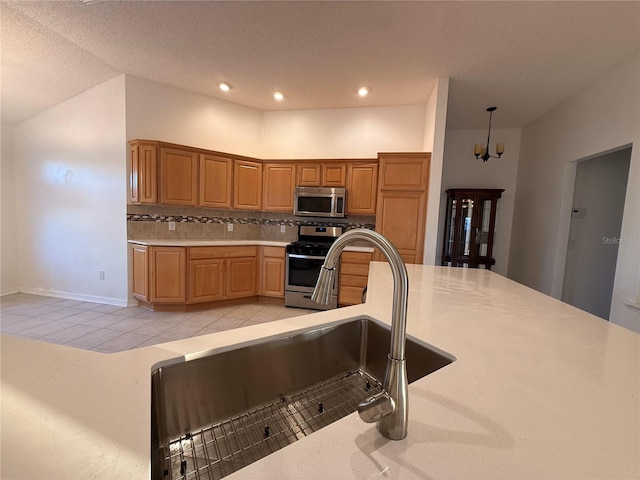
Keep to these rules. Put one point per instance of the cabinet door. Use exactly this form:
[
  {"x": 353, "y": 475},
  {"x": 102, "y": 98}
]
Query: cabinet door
[
  {"x": 168, "y": 274},
  {"x": 240, "y": 277},
  {"x": 401, "y": 217},
  {"x": 362, "y": 186},
  {"x": 279, "y": 183},
  {"x": 272, "y": 272},
  {"x": 334, "y": 175},
  {"x": 140, "y": 267},
  {"x": 178, "y": 177},
  {"x": 247, "y": 185},
  {"x": 143, "y": 177},
  {"x": 216, "y": 177},
  {"x": 206, "y": 280},
  {"x": 404, "y": 171},
  {"x": 308, "y": 175}
]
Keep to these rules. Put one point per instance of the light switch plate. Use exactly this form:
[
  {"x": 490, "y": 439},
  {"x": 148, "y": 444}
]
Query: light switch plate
[
  {"x": 229, "y": 227},
  {"x": 283, "y": 228},
  {"x": 172, "y": 225}
]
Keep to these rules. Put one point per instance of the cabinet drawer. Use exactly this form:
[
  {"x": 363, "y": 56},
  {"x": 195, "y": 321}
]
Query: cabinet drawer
[
  {"x": 350, "y": 295},
  {"x": 222, "y": 252},
  {"x": 353, "y": 281},
  {"x": 356, "y": 257},
  {"x": 277, "y": 252},
  {"x": 354, "y": 269}
]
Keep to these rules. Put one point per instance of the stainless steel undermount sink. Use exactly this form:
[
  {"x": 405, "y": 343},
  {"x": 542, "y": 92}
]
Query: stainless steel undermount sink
[{"x": 216, "y": 414}]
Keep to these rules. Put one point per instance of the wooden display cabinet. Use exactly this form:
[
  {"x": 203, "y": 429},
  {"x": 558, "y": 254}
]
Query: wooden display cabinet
[{"x": 469, "y": 227}]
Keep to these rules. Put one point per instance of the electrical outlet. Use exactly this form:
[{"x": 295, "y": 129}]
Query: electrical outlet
[
  {"x": 172, "y": 225},
  {"x": 283, "y": 228},
  {"x": 229, "y": 227},
  {"x": 101, "y": 274}
]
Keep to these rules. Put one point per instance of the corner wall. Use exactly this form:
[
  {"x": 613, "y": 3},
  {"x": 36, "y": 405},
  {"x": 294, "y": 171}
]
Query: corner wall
[
  {"x": 70, "y": 164},
  {"x": 434, "y": 142},
  {"x": 10, "y": 280},
  {"x": 602, "y": 117}
]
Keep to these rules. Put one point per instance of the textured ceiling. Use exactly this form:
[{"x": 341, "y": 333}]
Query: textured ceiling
[{"x": 524, "y": 57}]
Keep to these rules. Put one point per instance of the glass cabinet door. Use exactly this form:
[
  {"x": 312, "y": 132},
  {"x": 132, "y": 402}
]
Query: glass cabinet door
[{"x": 469, "y": 227}]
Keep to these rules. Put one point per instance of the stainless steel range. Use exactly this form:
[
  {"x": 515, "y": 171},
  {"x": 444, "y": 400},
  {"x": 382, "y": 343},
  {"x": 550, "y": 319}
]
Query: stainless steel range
[{"x": 303, "y": 261}]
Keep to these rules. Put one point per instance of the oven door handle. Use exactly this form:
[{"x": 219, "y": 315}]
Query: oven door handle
[{"x": 305, "y": 257}]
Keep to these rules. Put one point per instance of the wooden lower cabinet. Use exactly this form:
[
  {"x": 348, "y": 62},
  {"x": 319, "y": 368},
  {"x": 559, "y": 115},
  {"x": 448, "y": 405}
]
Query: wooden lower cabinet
[
  {"x": 272, "y": 264},
  {"x": 206, "y": 280},
  {"x": 240, "y": 277},
  {"x": 354, "y": 275},
  {"x": 167, "y": 275},
  {"x": 140, "y": 268},
  {"x": 175, "y": 278},
  {"x": 220, "y": 273}
]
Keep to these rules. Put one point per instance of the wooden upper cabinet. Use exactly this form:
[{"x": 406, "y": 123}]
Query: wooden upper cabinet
[
  {"x": 309, "y": 175},
  {"x": 178, "y": 177},
  {"x": 404, "y": 171},
  {"x": 321, "y": 174},
  {"x": 143, "y": 176},
  {"x": 362, "y": 186},
  {"x": 334, "y": 175},
  {"x": 247, "y": 185},
  {"x": 278, "y": 186},
  {"x": 216, "y": 181}
]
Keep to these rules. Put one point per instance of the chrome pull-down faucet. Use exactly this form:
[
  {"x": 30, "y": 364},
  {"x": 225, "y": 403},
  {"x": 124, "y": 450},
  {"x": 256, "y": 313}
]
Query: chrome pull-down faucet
[{"x": 390, "y": 407}]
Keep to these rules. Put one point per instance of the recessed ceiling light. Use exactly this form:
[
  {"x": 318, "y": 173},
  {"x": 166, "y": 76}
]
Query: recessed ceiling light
[
  {"x": 363, "y": 91},
  {"x": 279, "y": 96},
  {"x": 224, "y": 86}
]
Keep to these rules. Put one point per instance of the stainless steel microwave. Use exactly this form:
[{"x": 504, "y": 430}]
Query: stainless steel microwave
[{"x": 319, "y": 202}]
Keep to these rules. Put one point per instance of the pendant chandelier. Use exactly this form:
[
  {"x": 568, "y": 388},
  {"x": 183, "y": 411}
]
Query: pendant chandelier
[{"x": 482, "y": 151}]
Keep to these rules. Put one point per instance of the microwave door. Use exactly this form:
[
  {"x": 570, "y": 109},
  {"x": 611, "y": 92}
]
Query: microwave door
[{"x": 314, "y": 205}]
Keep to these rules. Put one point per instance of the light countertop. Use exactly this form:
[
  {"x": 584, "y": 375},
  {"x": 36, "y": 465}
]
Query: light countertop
[
  {"x": 229, "y": 243},
  {"x": 539, "y": 390}
]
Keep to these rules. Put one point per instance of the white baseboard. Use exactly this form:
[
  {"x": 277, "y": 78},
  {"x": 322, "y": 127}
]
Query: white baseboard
[{"x": 119, "y": 302}]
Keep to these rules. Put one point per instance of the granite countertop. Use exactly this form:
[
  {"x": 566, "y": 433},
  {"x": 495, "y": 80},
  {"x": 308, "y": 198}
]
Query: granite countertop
[{"x": 539, "y": 390}]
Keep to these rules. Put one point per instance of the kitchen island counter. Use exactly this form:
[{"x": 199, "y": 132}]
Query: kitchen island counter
[{"x": 539, "y": 390}]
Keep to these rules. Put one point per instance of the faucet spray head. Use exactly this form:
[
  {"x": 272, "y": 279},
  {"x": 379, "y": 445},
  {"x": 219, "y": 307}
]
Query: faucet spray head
[{"x": 322, "y": 293}]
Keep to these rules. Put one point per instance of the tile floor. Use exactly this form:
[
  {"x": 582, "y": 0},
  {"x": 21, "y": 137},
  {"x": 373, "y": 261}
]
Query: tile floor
[{"x": 108, "y": 328}]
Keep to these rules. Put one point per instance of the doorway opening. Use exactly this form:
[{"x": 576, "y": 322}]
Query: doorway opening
[{"x": 594, "y": 233}]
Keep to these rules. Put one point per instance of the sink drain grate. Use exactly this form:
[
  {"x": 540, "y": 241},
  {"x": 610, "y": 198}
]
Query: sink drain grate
[{"x": 227, "y": 446}]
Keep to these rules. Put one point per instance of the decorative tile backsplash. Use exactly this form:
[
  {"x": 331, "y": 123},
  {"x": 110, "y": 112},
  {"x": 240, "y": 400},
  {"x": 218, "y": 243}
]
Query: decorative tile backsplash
[{"x": 151, "y": 222}]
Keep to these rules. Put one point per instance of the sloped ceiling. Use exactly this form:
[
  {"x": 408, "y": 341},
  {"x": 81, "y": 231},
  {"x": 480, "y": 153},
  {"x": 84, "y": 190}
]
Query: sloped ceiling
[{"x": 524, "y": 57}]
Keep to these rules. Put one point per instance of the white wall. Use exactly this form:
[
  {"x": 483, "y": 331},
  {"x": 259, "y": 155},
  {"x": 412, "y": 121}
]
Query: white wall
[
  {"x": 602, "y": 117},
  {"x": 343, "y": 132},
  {"x": 160, "y": 112},
  {"x": 71, "y": 197},
  {"x": 9, "y": 281},
  {"x": 434, "y": 142},
  {"x": 463, "y": 170}
]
